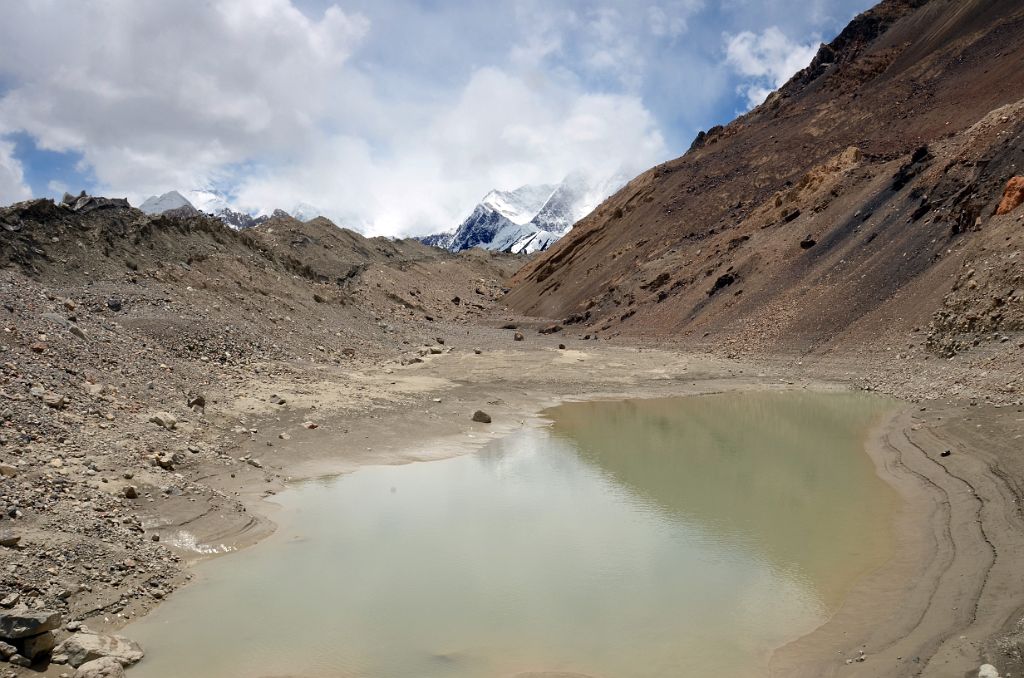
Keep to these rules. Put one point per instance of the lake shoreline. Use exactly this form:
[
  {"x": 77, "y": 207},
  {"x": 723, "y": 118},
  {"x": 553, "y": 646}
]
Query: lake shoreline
[{"x": 400, "y": 435}]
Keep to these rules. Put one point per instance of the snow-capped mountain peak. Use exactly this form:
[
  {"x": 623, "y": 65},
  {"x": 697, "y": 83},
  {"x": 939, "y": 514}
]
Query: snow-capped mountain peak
[
  {"x": 528, "y": 219},
  {"x": 521, "y": 205},
  {"x": 171, "y": 200}
]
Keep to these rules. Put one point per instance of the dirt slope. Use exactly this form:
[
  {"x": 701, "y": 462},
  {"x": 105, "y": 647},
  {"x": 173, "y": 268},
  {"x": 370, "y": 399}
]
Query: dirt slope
[{"x": 837, "y": 214}]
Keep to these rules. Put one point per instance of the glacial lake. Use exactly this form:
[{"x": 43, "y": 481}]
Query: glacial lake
[{"x": 636, "y": 539}]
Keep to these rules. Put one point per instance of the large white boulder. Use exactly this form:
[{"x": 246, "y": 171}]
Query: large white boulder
[{"x": 85, "y": 647}]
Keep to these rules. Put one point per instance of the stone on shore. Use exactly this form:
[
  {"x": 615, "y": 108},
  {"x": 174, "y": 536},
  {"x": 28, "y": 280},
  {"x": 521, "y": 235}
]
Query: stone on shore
[
  {"x": 22, "y": 623},
  {"x": 37, "y": 646},
  {"x": 104, "y": 667},
  {"x": 85, "y": 647}
]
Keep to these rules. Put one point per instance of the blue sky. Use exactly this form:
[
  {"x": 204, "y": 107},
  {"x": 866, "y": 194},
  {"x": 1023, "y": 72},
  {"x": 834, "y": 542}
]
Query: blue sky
[{"x": 392, "y": 117}]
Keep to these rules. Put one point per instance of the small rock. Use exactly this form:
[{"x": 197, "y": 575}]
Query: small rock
[
  {"x": 945, "y": 453},
  {"x": 114, "y": 304},
  {"x": 481, "y": 417},
  {"x": 8, "y": 471},
  {"x": 10, "y": 600},
  {"x": 277, "y": 400},
  {"x": 436, "y": 350},
  {"x": 561, "y": 347},
  {"x": 310, "y": 425},
  {"x": 54, "y": 400},
  {"x": 104, "y": 667},
  {"x": 164, "y": 419},
  {"x": 988, "y": 671},
  {"x": 197, "y": 401},
  {"x": 318, "y": 299},
  {"x": 477, "y": 351},
  {"x": 284, "y": 436},
  {"x": 255, "y": 463},
  {"x": 19, "y": 660},
  {"x": 7, "y": 650},
  {"x": 518, "y": 336},
  {"x": 9, "y": 539},
  {"x": 550, "y": 329},
  {"x": 131, "y": 492}
]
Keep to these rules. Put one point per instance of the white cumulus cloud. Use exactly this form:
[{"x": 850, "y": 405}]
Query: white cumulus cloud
[
  {"x": 765, "y": 60},
  {"x": 12, "y": 177}
]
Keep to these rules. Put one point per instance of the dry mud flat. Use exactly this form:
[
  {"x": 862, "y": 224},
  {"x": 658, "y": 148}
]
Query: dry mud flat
[{"x": 946, "y": 603}]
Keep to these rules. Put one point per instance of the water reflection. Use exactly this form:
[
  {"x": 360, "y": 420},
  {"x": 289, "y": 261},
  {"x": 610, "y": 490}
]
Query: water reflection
[{"x": 632, "y": 540}]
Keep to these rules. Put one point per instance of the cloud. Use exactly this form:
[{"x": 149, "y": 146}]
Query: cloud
[
  {"x": 394, "y": 117},
  {"x": 157, "y": 95},
  {"x": 502, "y": 131},
  {"x": 765, "y": 60},
  {"x": 12, "y": 178},
  {"x": 258, "y": 99}
]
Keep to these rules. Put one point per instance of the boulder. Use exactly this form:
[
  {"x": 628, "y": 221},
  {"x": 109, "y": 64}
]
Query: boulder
[
  {"x": 22, "y": 623},
  {"x": 104, "y": 667},
  {"x": 481, "y": 417},
  {"x": 84, "y": 647},
  {"x": 38, "y": 646}
]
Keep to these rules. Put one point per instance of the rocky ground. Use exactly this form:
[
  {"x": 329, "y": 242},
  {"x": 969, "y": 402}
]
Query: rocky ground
[
  {"x": 161, "y": 376},
  {"x": 123, "y": 334}
]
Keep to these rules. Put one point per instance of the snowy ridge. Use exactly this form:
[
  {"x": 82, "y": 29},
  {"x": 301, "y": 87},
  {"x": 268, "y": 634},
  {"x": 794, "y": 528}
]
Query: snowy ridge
[
  {"x": 219, "y": 206},
  {"x": 528, "y": 219},
  {"x": 158, "y": 204}
]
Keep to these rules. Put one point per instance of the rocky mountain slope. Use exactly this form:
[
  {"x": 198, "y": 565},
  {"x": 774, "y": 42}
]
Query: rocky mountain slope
[{"x": 855, "y": 208}]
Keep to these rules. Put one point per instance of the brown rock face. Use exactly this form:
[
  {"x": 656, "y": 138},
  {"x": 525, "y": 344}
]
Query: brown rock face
[
  {"x": 841, "y": 203},
  {"x": 1013, "y": 196}
]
